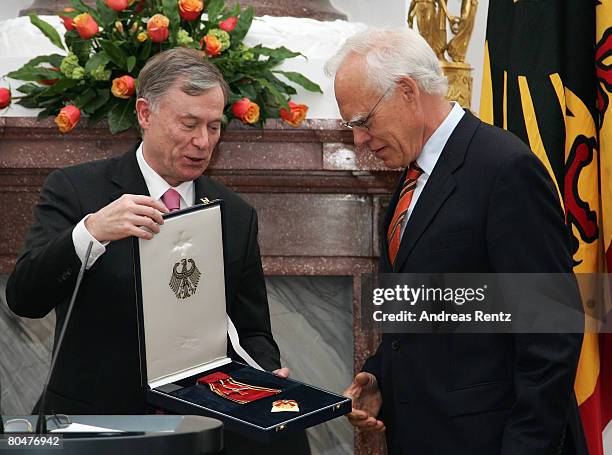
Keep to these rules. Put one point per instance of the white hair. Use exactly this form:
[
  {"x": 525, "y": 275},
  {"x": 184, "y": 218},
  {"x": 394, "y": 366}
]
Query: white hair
[{"x": 391, "y": 54}]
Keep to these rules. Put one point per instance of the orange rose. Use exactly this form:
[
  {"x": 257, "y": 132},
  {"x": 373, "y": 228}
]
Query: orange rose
[
  {"x": 86, "y": 25},
  {"x": 68, "y": 118},
  {"x": 68, "y": 21},
  {"x": 157, "y": 28},
  {"x": 295, "y": 116},
  {"x": 246, "y": 110},
  {"x": 228, "y": 24},
  {"x": 213, "y": 45},
  {"x": 49, "y": 81},
  {"x": 190, "y": 9},
  {"x": 123, "y": 87},
  {"x": 117, "y": 5},
  {"x": 252, "y": 113},
  {"x": 5, "y": 97}
]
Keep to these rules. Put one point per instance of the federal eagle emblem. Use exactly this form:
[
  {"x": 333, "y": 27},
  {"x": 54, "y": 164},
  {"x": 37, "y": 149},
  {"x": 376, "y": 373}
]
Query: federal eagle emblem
[{"x": 184, "y": 282}]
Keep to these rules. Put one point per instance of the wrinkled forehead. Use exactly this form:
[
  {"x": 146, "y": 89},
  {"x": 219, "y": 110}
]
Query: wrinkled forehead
[{"x": 354, "y": 93}]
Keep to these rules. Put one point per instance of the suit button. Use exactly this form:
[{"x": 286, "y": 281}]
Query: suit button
[{"x": 395, "y": 345}]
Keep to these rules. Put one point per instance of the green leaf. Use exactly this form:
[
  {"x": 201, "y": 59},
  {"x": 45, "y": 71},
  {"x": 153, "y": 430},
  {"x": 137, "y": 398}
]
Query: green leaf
[
  {"x": 30, "y": 73},
  {"x": 115, "y": 53},
  {"x": 28, "y": 103},
  {"x": 234, "y": 12},
  {"x": 247, "y": 90},
  {"x": 121, "y": 117},
  {"x": 79, "y": 5},
  {"x": 58, "y": 88},
  {"x": 214, "y": 10},
  {"x": 280, "y": 53},
  {"x": 99, "y": 59},
  {"x": 280, "y": 85},
  {"x": 79, "y": 47},
  {"x": 131, "y": 63},
  {"x": 53, "y": 59},
  {"x": 171, "y": 11},
  {"x": 47, "y": 112},
  {"x": 101, "y": 99},
  {"x": 108, "y": 15},
  {"x": 30, "y": 89},
  {"x": 99, "y": 114},
  {"x": 146, "y": 50},
  {"x": 49, "y": 102},
  {"x": 301, "y": 80},
  {"x": 85, "y": 97},
  {"x": 48, "y": 30},
  {"x": 276, "y": 94},
  {"x": 243, "y": 25}
]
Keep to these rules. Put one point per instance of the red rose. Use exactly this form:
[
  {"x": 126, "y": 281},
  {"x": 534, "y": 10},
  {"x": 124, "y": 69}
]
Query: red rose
[
  {"x": 190, "y": 10},
  {"x": 140, "y": 6},
  {"x": 295, "y": 115},
  {"x": 157, "y": 28},
  {"x": 68, "y": 21},
  {"x": 123, "y": 87},
  {"x": 5, "y": 97},
  {"x": 228, "y": 24},
  {"x": 117, "y": 5},
  {"x": 246, "y": 110},
  {"x": 68, "y": 118},
  {"x": 86, "y": 26}
]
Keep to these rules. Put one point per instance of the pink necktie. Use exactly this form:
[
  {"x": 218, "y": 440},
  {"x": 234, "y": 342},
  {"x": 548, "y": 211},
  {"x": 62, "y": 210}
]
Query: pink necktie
[{"x": 172, "y": 200}]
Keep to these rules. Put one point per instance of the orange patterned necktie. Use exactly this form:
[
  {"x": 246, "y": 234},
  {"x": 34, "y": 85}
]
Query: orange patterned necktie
[{"x": 395, "y": 227}]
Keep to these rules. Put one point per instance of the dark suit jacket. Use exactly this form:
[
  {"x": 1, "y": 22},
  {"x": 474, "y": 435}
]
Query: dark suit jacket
[
  {"x": 488, "y": 206},
  {"x": 98, "y": 370}
]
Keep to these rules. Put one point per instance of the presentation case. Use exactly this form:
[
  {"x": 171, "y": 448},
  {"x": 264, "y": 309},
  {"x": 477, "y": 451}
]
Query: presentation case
[{"x": 183, "y": 333}]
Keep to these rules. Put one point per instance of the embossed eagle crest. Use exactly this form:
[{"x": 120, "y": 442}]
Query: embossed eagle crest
[{"x": 184, "y": 281}]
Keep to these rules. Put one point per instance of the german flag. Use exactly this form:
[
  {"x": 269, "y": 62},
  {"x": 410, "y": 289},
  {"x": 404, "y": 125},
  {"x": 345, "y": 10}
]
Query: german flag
[{"x": 547, "y": 78}]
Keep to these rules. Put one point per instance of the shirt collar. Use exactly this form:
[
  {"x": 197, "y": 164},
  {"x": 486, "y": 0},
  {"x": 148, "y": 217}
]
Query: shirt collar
[
  {"x": 157, "y": 186},
  {"x": 435, "y": 144}
]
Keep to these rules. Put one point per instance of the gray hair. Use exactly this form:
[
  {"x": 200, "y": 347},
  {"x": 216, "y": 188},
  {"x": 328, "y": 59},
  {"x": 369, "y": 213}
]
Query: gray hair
[
  {"x": 391, "y": 54},
  {"x": 187, "y": 65}
]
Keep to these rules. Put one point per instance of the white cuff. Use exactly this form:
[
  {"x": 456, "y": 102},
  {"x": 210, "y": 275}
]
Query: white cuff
[{"x": 81, "y": 238}]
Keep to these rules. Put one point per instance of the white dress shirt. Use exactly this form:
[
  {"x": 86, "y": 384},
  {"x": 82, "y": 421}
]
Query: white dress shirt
[
  {"x": 431, "y": 153},
  {"x": 156, "y": 185}
]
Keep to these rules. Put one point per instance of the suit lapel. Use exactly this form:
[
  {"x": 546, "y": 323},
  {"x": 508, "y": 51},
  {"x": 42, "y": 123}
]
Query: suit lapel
[
  {"x": 127, "y": 177},
  {"x": 205, "y": 189},
  {"x": 439, "y": 187}
]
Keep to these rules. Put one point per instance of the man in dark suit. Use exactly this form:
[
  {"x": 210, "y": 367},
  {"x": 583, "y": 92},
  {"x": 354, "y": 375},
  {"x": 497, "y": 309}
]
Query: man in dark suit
[
  {"x": 472, "y": 199},
  {"x": 180, "y": 104}
]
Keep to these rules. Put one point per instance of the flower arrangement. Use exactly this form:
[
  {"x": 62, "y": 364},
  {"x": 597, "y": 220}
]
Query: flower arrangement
[{"x": 107, "y": 46}]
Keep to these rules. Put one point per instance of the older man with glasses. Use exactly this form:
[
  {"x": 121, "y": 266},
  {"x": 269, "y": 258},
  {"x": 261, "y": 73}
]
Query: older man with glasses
[{"x": 472, "y": 199}]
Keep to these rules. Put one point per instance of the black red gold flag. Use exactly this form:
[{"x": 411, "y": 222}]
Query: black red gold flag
[{"x": 547, "y": 78}]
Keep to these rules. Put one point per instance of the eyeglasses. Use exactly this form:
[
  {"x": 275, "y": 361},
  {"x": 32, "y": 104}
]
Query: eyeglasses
[
  {"x": 363, "y": 123},
  {"x": 25, "y": 426}
]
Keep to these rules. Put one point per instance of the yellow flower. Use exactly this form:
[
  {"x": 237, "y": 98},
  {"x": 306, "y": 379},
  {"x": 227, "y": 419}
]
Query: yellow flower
[{"x": 142, "y": 37}]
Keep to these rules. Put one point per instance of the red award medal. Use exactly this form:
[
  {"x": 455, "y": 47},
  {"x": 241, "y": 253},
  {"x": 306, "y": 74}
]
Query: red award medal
[
  {"x": 225, "y": 386},
  {"x": 285, "y": 406}
]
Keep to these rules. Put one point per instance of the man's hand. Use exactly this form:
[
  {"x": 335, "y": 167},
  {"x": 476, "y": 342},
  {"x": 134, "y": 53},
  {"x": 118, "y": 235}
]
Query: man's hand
[
  {"x": 126, "y": 217},
  {"x": 282, "y": 372},
  {"x": 367, "y": 401}
]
